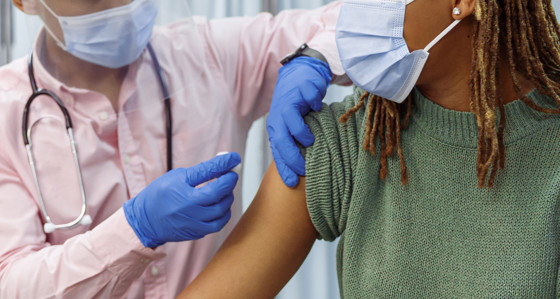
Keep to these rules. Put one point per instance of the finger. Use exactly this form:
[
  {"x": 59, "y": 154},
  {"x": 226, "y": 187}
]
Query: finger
[
  {"x": 212, "y": 168},
  {"x": 314, "y": 92},
  {"x": 291, "y": 156},
  {"x": 218, "y": 224},
  {"x": 221, "y": 208},
  {"x": 270, "y": 127},
  {"x": 297, "y": 127},
  {"x": 215, "y": 211},
  {"x": 237, "y": 169},
  {"x": 289, "y": 177},
  {"x": 275, "y": 124},
  {"x": 215, "y": 191}
]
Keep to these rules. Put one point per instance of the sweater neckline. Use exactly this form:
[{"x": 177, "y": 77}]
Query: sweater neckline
[{"x": 460, "y": 128}]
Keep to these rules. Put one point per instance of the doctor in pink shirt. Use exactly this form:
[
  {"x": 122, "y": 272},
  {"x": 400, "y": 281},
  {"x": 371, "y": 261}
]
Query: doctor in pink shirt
[{"x": 151, "y": 231}]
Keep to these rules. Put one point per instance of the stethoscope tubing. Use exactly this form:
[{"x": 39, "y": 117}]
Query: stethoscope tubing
[
  {"x": 167, "y": 103},
  {"x": 83, "y": 218}
]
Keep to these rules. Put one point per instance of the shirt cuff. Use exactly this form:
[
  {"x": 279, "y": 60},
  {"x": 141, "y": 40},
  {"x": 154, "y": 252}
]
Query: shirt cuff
[
  {"x": 119, "y": 248},
  {"x": 326, "y": 45}
]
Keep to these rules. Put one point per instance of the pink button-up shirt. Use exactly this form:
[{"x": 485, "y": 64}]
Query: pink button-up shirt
[{"x": 221, "y": 74}]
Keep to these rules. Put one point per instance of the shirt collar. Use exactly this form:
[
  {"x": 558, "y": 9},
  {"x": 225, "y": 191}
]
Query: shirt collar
[
  {"x": 66, "y": 93},
  {"x": 45, "y": 80}
]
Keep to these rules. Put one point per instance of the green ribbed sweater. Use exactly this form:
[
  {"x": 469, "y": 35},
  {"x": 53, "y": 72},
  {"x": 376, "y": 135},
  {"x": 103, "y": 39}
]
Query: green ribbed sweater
[{"x": 440, "y": 236}]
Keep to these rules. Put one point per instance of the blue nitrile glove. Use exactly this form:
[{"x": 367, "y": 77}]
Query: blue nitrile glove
[
  {"x": 302, "y": 85},
  {"x": 173, "y": 209}
]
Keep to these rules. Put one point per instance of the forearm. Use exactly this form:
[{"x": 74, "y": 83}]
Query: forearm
[
  {"x": 102, "y": 262},
  {"x": 264, "y": 250}
]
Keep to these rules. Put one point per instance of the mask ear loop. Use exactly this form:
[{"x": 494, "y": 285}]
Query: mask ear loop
[
  {"x": 441, "y": 35},
  {"x": 58, "y": 42}
]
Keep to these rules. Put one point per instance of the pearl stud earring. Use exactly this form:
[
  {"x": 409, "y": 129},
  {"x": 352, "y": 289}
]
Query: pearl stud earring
[{"x": 456, "y": 11}]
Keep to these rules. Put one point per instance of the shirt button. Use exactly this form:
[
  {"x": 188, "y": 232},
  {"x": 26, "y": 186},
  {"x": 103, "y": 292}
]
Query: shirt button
[
  {"x": 155, "y": 271},
  {"x": 145, "y": 261},
  {"x": 103, "y": 116},
  {"x": 126, "y": 159}
]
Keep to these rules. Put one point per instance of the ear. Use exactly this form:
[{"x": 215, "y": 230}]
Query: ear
[{"x": 463, "y": 8}]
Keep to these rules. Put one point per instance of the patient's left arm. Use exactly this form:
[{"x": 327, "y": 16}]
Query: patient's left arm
[{"x": 265, "y": 249}]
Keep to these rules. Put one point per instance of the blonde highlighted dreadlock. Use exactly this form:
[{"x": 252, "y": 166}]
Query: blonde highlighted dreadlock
[{"x": 528, "y": 33}]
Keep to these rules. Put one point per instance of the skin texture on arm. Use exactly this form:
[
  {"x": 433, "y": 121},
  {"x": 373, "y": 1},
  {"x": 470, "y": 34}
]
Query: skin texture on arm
[{"x": 265, "y": 249}]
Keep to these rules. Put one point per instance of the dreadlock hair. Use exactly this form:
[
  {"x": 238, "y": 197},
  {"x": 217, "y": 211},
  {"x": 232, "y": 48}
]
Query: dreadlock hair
[{"x": 527, "y": 33}]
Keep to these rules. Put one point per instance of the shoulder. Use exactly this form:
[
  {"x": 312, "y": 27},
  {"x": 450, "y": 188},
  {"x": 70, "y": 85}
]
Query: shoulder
[
  {"x": 14, "y": 86},
  {"x": 331, "y": 163},
  {"x": 337, "y": 144},
  {"x": 13, "y": 76},
  {"x": 14, "y": 92},
  {"x": 180, "y": 28},
  {"x": 523, "y": 114},
  {"x": 198, "y": 44},
  {"x": 328, "y": 120},
  {"x": 182, "y": 36},
  {"x": 14, "y": 89},
  {"x": 198, "y": 39},
  {"x": 193, "y": 30}
]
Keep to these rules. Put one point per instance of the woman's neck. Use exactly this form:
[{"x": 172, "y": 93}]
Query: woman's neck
[
  {"x": 454, "y": 91},
  {"x": 75, "y": 72},
  {"x": 448, "y": 82}
]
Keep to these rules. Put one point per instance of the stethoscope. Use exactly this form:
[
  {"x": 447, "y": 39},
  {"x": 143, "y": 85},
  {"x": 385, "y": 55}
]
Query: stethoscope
[{"x": 83, "y": 218}]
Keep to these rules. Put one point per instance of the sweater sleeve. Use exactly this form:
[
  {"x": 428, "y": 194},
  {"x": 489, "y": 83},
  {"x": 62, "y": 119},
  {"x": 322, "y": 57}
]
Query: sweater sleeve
[{"x": 330, "y": 165}]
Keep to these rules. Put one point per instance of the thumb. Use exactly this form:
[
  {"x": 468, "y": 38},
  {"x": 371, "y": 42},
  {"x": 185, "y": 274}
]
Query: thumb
[{"x": 212, "y": 168}]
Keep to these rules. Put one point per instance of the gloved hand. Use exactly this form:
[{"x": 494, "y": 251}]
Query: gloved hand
[
  {"x": 301, "y": 86},
  {"x": 173, "y": 209}
]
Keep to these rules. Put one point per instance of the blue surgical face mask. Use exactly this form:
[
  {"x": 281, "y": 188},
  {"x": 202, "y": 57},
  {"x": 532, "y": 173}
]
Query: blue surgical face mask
[
  {"x": 373, "y": 51},
  {"x": 111, "y": 38}
]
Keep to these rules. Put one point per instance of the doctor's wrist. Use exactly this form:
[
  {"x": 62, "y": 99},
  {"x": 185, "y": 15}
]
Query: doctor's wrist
[
  {"x": 306, "y": 51},
  {"x": 130, "y": 215},
  {"x": 322, "y": 68}
]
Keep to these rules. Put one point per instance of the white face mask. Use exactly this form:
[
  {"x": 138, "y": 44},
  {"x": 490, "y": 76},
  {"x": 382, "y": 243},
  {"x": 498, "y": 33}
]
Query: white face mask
[
  {"x": 373, "y": 50},
  {"x": 111, "y": 38}
]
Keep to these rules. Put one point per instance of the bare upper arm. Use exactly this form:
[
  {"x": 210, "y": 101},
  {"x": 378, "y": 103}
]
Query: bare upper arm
[{"x": 264, "y": 250}]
